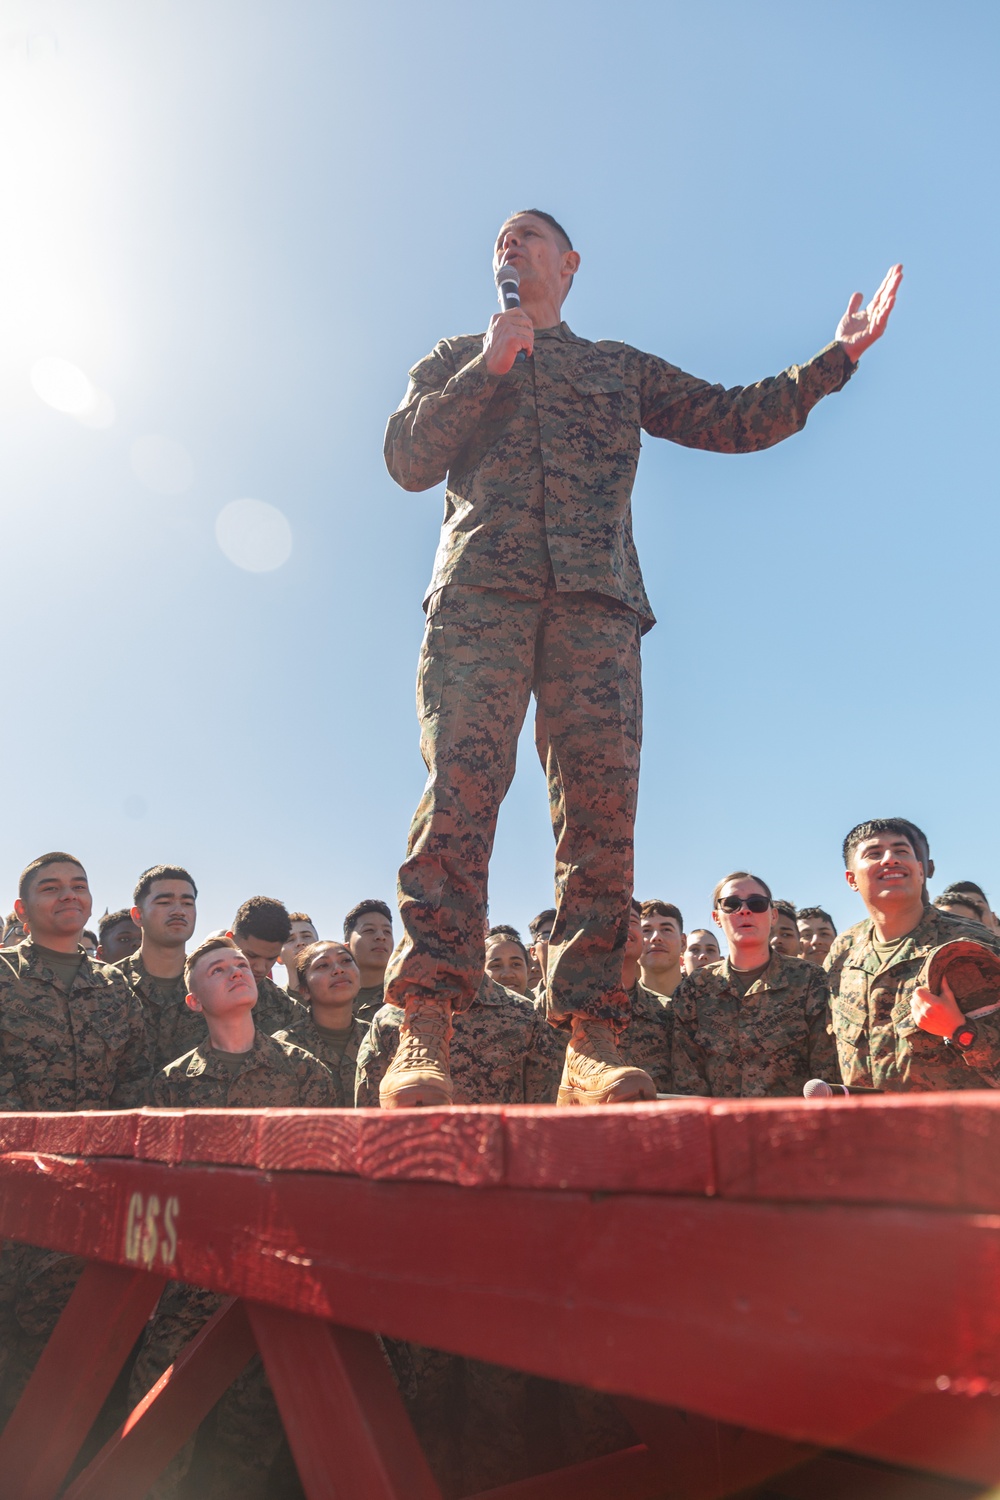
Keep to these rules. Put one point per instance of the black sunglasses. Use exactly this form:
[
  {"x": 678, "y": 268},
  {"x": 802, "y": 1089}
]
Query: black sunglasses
[{"x": 733, "y": 904}]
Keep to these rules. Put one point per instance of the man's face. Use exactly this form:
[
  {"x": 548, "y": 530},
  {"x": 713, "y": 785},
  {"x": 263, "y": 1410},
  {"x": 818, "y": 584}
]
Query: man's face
[
  {"x": 539, "y": 949},
  {"x": 303, "y": 933},
  {"x": 119, "y": 941},
  {"x": 261, "y": 956},
  {"x": 815, "y": 938},
  {"x": 885, "y": 869},
  {"x": 702, "y": 948},
  {"x": 167, "y": 912},
  {"x": 505, "y": 965},
  {"x": 371, "y": 941},
  {"x": 743, "y": 926},
  {"x": 785, "y": 935},
  {"x": 333, "y": 978},
  {"x": 58, "y": 903},
  {"x": 662, "y": 943},
  {"x": 222, "y": 982},
  {"x": 535, "y": 248},
  {"x": 632, "y": 951}
]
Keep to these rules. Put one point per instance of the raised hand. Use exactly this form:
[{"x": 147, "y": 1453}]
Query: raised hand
[
  {"x": 860, "y": 326},
  {"x": 508, "y": 332}
]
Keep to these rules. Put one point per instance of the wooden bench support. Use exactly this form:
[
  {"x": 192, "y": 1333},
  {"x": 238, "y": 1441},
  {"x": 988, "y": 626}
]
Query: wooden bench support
[
  {"x": 100, "y": 1323},
  {"x": 346, "y": 1424},
  {"x": 705, "y": 1459},
  {"x": 628, "y": 1475},
  {"x": 170, "y": 1413}
]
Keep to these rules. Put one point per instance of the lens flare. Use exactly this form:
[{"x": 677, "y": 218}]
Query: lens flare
[{"x": 254, "y": 535}]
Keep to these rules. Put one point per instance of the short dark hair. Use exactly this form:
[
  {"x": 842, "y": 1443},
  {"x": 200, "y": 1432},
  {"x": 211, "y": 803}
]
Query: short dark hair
[
  {"x": 786, "y": 909},
  {"x": 361, "y": 910},
  {"x": 305, "y": 956},
  {"x": 57, "y": 857},
  {"x": 111, "y": 919},
  {"x": 86, "y": 933},
  {"x": 818, "y": 915},
  {"x": 507, "y": 934},
  {"x": 265, "y": 918},
  {"x": 657, "y": 908},
  {"x": 739, "y": 875},
  {"x": 159, "y": 872},
  {"x": 208, "y": 946},
  {"x": 301, "y": 916},
  {"x": 948, "y": 899},
  {"x": 969, "y": 887},
  {"x": 544, "y": 919},
  {"x": 539, "y": 213},
  {"x": 870, "y": 830}
]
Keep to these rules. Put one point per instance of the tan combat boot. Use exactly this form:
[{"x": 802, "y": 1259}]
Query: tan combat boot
[
  {"x": 594, "y": 1072},
  {"x": 419, "y": 1074}
]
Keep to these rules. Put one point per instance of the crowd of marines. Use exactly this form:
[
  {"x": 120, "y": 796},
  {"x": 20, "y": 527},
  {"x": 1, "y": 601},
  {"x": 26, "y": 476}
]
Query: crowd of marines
[{"x": 755, "y": 1006}]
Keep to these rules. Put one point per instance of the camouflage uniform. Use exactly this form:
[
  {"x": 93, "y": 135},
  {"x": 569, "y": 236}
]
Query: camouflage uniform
[
  {"x": 536, "y": 588},
  {"x": 769, "y": 1041},
  {"x": 502, "y": 1051},
  {"x": 343, "y": 1067},
  {"x": 368, "y": 1002},
  {"x": 175, "y": 1029},
  {"x": 879, "y": 1043},
  {"x": 647, "y": 1039},
  {"x": 84, "y": 1047},
  {"x": 245, "y": 1429}
]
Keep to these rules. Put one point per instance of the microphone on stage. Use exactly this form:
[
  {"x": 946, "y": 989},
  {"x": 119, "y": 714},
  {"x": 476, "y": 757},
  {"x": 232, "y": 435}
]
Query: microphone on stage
[
  {"x": 818, "y": 1088},
  {"x": 508, "y": 280}
]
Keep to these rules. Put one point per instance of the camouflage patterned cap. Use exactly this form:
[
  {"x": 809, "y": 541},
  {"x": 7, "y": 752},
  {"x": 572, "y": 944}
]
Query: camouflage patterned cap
[{"x": 972, "y": 971}]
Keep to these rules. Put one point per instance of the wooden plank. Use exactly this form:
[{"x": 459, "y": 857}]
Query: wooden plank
[
  {"x": 796, "y": 1320},
  {"x": 462, "y": 1146},
  {"x": 171, "y": 1412},
  {"x": 628, "y": 1475},
  {"x": 939, "y": 1151},
  {"x": 344, "y": 1418},
  {"x": 705, "y": 1459},
  {"x": 655, "y": 1148},
  {"x": 104, "y": 1316}
]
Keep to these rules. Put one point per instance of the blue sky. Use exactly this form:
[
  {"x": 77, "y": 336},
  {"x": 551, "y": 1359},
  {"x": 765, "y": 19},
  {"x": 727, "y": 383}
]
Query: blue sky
[{"x": 243, "y": 222}]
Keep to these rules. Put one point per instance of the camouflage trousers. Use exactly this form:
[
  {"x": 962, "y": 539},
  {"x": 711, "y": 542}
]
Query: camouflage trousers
[
  {"x": 239, "y": 1441},
  {"x": 35, "y": 1285},
  {"x": 484, "y": 653}
]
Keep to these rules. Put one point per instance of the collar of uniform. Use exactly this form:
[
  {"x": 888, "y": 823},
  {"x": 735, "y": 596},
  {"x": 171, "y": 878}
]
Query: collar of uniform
[
  {"x": 32, "y": 960},
  {"x": 558, "y": 331},
  {"x": 920, "y": 940},
  {"x": 774, "y": 976},
  {"x": 204, "y": 1059}
]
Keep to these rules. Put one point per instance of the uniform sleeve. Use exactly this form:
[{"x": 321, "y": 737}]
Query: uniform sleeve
[
  {"x": 690, "y": 1076},
  {"x": 544, "y": 1062},
  {"x": 374, "y": 1056},
  {"x": 436, "y": 417},
  {"x": 135, "y": 1072},
  {"x": 745, "y": 418},
  {"x": 823, "y": 1061}
]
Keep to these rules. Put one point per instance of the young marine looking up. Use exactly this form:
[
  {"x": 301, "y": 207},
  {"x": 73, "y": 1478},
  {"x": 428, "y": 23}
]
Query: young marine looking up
[
  {"x": 540, "y": 928},
  {"x": 328, "y": 979},
  {"x": 304, "y": 933},
  {"x": 894, "y": 1033},
  {"x": 816, "y": 933},
  {"x": 507, "y": 959},
  {"x": 755, "y": 1023},
  {"x": 260, "y": 929},
  {"x": 963, "y": 898},
  {"x": 702, "y": 949},
  {"x": 368, "y": 931},
  {"x": 663, "y": 943},
  {"x": 785, "y": 932}
]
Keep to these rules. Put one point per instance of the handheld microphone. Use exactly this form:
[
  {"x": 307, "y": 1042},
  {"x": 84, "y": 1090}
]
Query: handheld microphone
[
  {"x": 818, "y": 1088},
  {"x": 508, "y": 280}
]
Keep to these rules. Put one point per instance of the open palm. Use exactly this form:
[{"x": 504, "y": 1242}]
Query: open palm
[{"x": 861, "y": 326}]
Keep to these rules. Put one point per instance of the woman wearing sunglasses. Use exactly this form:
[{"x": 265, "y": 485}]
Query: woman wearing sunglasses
[{"x": 756, "y": 1022}]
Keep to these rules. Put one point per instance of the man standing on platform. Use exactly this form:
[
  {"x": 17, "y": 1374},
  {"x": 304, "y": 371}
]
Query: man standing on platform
[{"x": 537, "y": 588}]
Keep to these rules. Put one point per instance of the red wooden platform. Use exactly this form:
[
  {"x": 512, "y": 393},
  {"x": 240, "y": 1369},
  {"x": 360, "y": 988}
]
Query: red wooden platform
[{"x": 755, "y": 1281}]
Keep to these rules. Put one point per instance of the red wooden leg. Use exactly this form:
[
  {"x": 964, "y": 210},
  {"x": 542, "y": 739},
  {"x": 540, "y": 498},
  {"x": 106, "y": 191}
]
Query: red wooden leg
[
  {"x": 705, "y": 1459},
  {"x": 101, "y": 1321},
  {"x": 168, "y": 1414},
  {"x": 347, "y": 1427}
]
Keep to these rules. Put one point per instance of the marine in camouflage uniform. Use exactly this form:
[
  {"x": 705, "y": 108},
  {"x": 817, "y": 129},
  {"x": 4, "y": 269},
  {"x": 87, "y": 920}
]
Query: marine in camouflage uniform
[
  {"x": 879, "y": 1043},
  {"x": 537, "y": 588},
  {"x": 769, "y": 1040},
  {"x": 647, "y": 1040},
  {"x": 176, "y": 1029},
  {"x": 322, "y": 1043},
  {"x": 502, "y": 1051},
  {"x": 245, "y": 1432},
  {"x": 368, "y": 1002},
  {"x": 83, "y": 1046}
]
